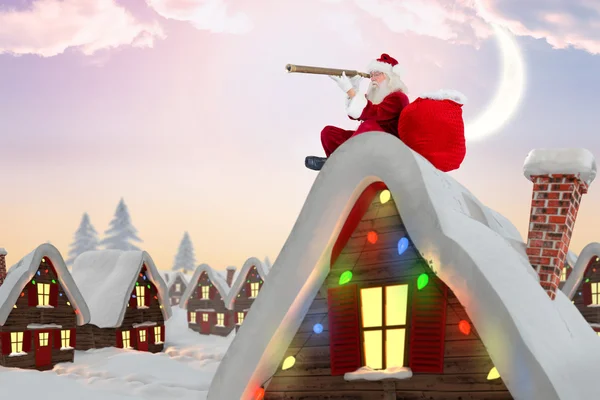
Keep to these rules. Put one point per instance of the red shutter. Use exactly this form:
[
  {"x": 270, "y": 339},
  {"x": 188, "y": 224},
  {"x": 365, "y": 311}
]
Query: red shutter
[
  {"x": 162, "y": 333},
  {"x": 213, "y": 292},
  {"x": 133, "y": 334},
  {"x": 151, "y": 335},
  {"x": 189, "y": 317},
  {"x": 235, "y": 317},
  {"x": 119, "y": 339},
  {"x": 587, "y": 293},
  {"x": 32, "y": 294},
  {"x": 72, "y": 339},
  {"x": 132, "y": 301},
  {"x": 428, "y": 327},
  {"x": 54, "y": 294},
  {"x": 26, "y": 341},
  {"x": 147, "y": 297},
  {"x": 344, "y": 330},
  {"x": 56, "y": 335},
  {"x": 5, "y": 336}
]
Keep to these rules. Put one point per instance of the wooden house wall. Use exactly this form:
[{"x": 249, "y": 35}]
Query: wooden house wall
[
  {"x": 175, "y": 295},
  {"x": 63, "y": 314},
  {"x": 466, "y": 363},
  {"x": 243, "y": 300},
  {"x": 216, "y": 302},
  {"x": 590, "y": 313},
  {"x": 90, "y": 336}
]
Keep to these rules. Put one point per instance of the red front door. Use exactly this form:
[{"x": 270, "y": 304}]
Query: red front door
[
  {"x": 142, "y": 339},
  {"x": 43, "y": 348},
  {"x": 205, "y": 323}
]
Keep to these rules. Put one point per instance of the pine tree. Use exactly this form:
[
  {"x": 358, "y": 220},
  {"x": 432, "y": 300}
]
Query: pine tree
[
  {"x": 86, "y": 239},
  {"x": 185, "y": 260},
  {"x": 121, "y": 231}
]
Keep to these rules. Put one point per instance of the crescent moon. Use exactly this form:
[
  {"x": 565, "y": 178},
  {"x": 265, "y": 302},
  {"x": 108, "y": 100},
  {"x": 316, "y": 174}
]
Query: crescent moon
[{"x": 509, "y": 94}]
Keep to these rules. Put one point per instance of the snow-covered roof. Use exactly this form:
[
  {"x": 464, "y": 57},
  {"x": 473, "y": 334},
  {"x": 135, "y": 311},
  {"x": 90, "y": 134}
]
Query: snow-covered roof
[
  {"x": 106, "y": 279},
  {"x": 588, "y": 253},
  {"x": 214, "y": 277},
  {"x": 22, "y": 272},
  {"x": 561, "y": 161},
  {"x": 571, "y": 259},
  {"x": 173, "y": 279},
  {"x": 238, "y": 283},
  {"x": 2, "y": 251},
  {"x": 542, "y": 348}
]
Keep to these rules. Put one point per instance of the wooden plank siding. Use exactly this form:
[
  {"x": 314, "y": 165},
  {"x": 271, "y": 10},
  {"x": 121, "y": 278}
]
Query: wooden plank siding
[
  {"x": 92, "y": 337},
  {"x": 174, "y": 294},
  {"x": 591, "y": 312},
  {"x": 62, "y": 314},
  {"x": 215, "y": 302},
  {"x": 466, "y": 362}
]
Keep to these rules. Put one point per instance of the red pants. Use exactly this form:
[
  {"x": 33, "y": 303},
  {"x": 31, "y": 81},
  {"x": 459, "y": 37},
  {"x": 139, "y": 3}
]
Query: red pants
[{"x": 332, "y": 137}]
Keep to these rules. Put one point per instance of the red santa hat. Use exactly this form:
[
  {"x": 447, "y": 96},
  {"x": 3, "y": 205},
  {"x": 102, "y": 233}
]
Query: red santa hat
[{"x": 385, "y": 64}]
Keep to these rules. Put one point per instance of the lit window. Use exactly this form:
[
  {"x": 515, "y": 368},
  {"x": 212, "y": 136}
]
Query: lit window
[
  {"x": 598, "y": 333},
  {"x": 142, "y": 335},
  {"x": 157, "y": 332},
  {"x": 43, "y": 291},
  {"x": 43, "y": 338},
  {"x": 595, "y": 292},
  {"x": 178, "y": 287},
  {"x": 193, "y": 318},
  {"x": 563, "y": 274},
  {"x": 240, "y": 317},
  {"x": 205, "y": 317},
  {"x": 125, "y": 335},
  {"x": 384, "y": 325},
  {"x": 140, "y": 293},
  {"x": 16, "y": 342},
  {"x": 220, "y": 319},
  {"x": 65, "y": 338},
  {"x": 205, "y": 292},
  {"x": 254, "y": 288}
]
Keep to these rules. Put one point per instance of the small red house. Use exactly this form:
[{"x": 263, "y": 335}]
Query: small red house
[
  {"x": 40, "y": 309},
  {"x": 204, "y": 300},
  {"x": 127, "y": 298},
  {"x": 245, "y": 289},
  {"x": 176, "y": 287}
]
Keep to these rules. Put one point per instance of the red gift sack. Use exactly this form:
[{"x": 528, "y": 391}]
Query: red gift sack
[{"x": 433, "y": 126}]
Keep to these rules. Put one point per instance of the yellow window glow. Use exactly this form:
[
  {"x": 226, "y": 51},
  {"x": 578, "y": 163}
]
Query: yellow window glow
[
  {"x": 374, "y": 349},
  {"x": 371, "y": 307},
  {"x": 394, "y": 347},
  {"x": 126, "y": 339},
  {"x": 396, "y": 305}
]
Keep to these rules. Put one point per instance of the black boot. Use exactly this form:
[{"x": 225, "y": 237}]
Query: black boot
[{"x": 315, "y": 163}]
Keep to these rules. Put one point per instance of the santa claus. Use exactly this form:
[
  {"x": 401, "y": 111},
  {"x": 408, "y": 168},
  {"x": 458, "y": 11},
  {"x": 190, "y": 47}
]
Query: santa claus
[{"x": 378, "y": 110}]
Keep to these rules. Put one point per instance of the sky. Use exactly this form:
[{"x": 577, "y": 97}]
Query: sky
[{"x": 184, "y": 109}]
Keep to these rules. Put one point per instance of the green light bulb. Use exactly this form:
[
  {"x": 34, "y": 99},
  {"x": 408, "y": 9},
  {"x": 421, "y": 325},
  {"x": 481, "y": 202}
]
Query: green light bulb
[
  {"x": 346, "y": 277},
  {"x": 422, "y": 281}
]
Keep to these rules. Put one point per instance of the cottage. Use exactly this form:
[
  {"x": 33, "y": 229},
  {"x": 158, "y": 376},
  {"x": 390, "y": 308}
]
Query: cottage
[
  {"x": 204, "y": 300},
  {"x": 40, "y": 309},
  {"x": 176, "y": 287},
  {"x": 245, "y": 289},
  {"x": 127, "y": 299},
  {"x": 396, "y": 282}
]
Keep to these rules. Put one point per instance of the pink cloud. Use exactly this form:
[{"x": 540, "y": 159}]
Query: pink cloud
[
  {"x": 49, "y": 27},
  {"x": 210, "y": 15}
]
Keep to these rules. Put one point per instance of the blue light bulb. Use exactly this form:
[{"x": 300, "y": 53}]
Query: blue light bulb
[
  {"x": 402, "y": 245},
  {"x": 318, "y": 328}
]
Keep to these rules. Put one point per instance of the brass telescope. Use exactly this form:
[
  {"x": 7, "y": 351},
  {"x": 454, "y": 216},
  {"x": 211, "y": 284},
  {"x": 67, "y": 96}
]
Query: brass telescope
[{"x": 303, "y": 69}]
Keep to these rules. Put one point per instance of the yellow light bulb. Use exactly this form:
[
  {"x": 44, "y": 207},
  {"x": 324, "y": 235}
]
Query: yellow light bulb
[
  {"x": 494, "y": 374},
  {"x": 385, "y": 196},
  {"x": 288, "y": 363}
]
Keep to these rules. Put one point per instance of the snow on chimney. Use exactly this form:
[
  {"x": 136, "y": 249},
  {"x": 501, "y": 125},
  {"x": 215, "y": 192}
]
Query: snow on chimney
[
  {"x": 560, "y": 177},
  {"x": 2, "y": 265},
  {"x": 230, "y": 274}
]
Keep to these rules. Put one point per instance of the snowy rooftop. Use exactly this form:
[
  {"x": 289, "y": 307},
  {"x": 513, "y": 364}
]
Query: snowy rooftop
[
  {"x": 216, "y": 279},
  {"x": 2, "y": 251},
  {"x": 240, "y": 278},
  {"x": 588, "y": 253},
  {"x": 173, "y": 278},
  {"x": 561, "y": 161},
  {"x": 106, "y": 279},
  {"x": 543, "y": 349},
  {"x": 22, "y": 272}
]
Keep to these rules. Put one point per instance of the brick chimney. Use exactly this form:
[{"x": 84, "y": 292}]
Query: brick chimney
[
  {"x": 560, "y": 177},
  {"x": 230, "y": 274},
  {"x": 2, "y": 265}
]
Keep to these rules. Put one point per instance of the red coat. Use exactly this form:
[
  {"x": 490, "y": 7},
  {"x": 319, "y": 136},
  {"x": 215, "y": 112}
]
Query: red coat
[{"x": 387, "y": 113}]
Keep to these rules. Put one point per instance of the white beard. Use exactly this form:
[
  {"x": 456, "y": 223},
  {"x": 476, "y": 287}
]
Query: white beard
[{"x": 378, "y": 91}]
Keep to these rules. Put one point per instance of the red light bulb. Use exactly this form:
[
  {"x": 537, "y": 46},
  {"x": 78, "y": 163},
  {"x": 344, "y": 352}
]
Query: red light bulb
[
  {"x": 464, "y": 327},
  {"x": 372, "y": 237}
]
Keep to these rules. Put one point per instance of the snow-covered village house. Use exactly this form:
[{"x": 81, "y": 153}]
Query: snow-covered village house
[
  {"x": 176, "y": 287},
  {"x": 245, "y": 289},
  {"x": 127, "y": 298},
  {"x": 204, "y": 300},
  {"x": 397, "y": 282},
  {"x": 40, "y": 309}
]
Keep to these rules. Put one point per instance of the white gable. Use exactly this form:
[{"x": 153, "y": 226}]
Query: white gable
[
  {"x": 575, "y": 279},
  {"x": 238, "y": 283},
  {"x": 22, "y": 272},
  {"x": 106, "y": 279},
  {"x": 543, "y": 349},
  {"x": 214, "y": 277}
]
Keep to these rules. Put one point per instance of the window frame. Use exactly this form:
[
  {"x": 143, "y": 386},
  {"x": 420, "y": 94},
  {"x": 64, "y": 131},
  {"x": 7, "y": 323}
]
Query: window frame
[
  {"x": 157, "y": 334},
  {"x": 383, "y": 328},
  {"x": 193, "y": 318},
  {"x": 43, "y": 295},
  {"x": 252, "y": 289},
  {"x": 223, "y": 319},
  {"x": 595, "y": 295},
  {"x": 17, "y": 344},
  {"x": 65, "y": 338},
  {"x": 126, "y": 339},
  {"x": 207, "y": 292},
  {"x": 140, "y": 300},
  {"x": 241, "y": 316}
]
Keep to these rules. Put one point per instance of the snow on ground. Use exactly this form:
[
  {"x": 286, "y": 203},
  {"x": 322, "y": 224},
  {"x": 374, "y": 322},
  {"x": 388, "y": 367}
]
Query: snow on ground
[{"x": 183, "y": 371}]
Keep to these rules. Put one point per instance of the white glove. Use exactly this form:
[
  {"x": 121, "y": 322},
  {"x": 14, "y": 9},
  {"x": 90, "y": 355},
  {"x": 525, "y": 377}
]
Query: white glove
[
  {"x": 343, "y": 82},
  {"x": 355, "y": 80}
]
